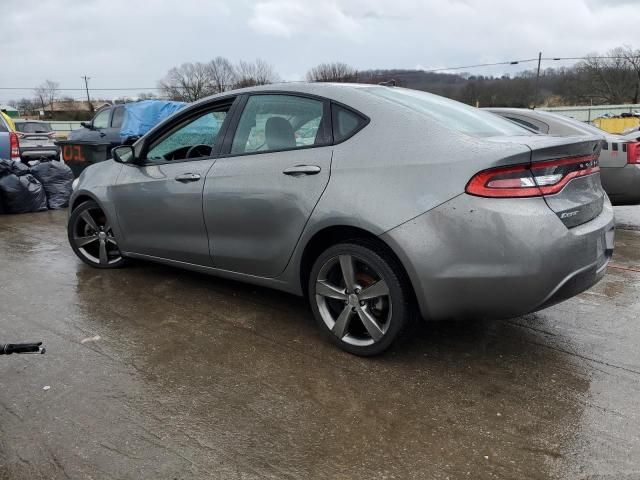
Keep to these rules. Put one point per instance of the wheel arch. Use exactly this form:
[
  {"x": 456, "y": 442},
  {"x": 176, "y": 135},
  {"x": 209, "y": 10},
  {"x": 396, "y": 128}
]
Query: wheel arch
[
  {"x": 332, "y": 235},
  {"x": 81, "y": 198}
]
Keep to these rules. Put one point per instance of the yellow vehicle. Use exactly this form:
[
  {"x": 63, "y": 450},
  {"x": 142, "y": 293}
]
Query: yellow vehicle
[
  {"x": 617, "y": 124},
  {"x": 9, "y": 121}
]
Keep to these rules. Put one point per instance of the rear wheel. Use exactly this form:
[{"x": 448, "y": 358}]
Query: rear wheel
[
  {"x": 359, "y": 297},
  {"x": 91, "y": 237}
]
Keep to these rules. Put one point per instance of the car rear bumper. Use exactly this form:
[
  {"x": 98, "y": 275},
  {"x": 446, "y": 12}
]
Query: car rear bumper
[
  {"x": 499, "y": 258},
  {"x": 622, "y": 184}
]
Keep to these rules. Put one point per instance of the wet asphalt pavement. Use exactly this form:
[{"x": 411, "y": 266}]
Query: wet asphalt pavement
[{"x": 157, "y": 373}]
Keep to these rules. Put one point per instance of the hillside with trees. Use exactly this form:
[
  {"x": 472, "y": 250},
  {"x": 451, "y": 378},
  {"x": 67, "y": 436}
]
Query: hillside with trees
[{"x": 596, "y": 79}]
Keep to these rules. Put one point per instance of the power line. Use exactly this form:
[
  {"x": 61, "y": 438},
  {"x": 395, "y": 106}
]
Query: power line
[
  {"x": 429, "y": 70},
  {"x": 516, "y": 62},
  {"x": 82, "y": 89}
]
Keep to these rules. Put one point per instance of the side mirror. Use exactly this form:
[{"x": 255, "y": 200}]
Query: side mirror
[
  {"x": 123, "y": 154},
  {"x": 87, "y": 125}
]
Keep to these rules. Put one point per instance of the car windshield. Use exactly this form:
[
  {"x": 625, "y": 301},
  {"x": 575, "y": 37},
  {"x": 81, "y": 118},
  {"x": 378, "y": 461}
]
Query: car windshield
[
  {"x": 449, "y": 113},
  {"x": 33, "y": 127}
]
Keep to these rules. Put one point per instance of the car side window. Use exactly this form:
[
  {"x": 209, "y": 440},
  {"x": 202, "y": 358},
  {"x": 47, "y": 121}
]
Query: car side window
[
  {"x": 101, "y": 120},
  {"x": 117, "y": 117},
  {"x": 345, "y": 123},
  {"x": 194, "y": 139},
  {"x": 279, "y": 122},
  {"x": 524, "y": 123}
]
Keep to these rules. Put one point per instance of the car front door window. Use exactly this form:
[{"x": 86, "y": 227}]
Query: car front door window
[
  {"x": 101, "y": 120},
  {"x": 194, "y": 139}
]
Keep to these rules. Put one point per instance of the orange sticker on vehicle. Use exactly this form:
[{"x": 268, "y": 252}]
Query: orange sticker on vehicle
[{"x": 72, "y": 153}]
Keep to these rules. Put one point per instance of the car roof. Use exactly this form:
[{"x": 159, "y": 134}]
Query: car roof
[{"x": 336, "y": 91}]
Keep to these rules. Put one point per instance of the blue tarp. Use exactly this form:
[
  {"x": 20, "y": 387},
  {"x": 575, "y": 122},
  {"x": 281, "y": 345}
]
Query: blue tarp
[{"x": 140, "y": 117}]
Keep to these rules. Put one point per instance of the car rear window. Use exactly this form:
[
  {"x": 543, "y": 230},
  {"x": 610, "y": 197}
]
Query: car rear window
[
  {"x": 449, "y": 113},
  {"x": 577, "y": 124},
  {"x": 33, "y": 127}
]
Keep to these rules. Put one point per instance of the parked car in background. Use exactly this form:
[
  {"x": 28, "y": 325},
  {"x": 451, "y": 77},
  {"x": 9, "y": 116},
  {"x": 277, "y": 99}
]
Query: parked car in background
[
  {"x": 104, "y": 127},
  {"x": 36, "y": 140},
  {"x": 619, "y": 159},
  {"x": 9, "y": 144},
  {"x": 113, "y": 126},
  {"x": 335, "y": 192}
]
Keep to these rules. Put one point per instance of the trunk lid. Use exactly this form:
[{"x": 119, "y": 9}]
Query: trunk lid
[{"x": 582, "y": 197}]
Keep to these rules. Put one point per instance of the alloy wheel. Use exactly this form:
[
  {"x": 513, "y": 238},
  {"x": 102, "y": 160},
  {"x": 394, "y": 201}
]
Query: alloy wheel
[
  {"x": 93, "y": 237},
  {"x": 353, "y": 300}
]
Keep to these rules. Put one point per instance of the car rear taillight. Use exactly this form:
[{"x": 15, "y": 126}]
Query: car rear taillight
[
  {"x": 14, "y": 146},
  {"x": 633, "y": 152},
  {"x": 51, "y": 135},
  {"x": 540, "y": 178}
]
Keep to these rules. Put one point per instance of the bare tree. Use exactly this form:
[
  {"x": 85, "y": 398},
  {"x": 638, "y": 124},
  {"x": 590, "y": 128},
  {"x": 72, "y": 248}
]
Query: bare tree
[
  {"x": 633, "y": 59},
  {"x": 188, "y": 82},
  {"x": 607, "y": 79},
  {"x": 222, "y": 74},
  {"x": 332, "y": 72},
  {"x": 26, "y": 106},
  {"x": 249, "y": 74},
  {"x": 46, "y": 94}
]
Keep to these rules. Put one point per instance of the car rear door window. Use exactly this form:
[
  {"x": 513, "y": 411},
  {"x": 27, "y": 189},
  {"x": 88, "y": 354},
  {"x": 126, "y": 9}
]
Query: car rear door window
[
  {"x": 279, "y": 122},
  {"x": 345, "y": 123},
  {"x": 117, "y": 117}
]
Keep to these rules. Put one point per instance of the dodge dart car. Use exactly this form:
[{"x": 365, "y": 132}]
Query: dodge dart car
[{"x": 374, "y": 202}]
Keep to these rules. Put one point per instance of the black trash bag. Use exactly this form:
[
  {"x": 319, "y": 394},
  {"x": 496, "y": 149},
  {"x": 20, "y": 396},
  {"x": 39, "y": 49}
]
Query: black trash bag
[
  {"x": 22, "y": 194},
  {"x": 19, "y": 168},
  {"x": 6, "y": 167},
  {"x": 56, "y": 177}
]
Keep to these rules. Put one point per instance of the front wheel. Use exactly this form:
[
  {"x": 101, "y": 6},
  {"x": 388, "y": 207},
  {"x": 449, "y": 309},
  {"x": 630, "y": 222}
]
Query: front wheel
[
  {"x": 359, "y": 297},
  {"x": 91, "y": 237}
]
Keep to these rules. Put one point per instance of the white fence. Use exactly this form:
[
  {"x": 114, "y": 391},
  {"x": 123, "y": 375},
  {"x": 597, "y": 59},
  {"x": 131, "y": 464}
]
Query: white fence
[{"x": 587, "y": 114}]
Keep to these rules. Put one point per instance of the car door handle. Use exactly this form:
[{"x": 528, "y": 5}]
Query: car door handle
[
  {"x": 302, "y": 170},
  {"x": 188, "y": 177}
]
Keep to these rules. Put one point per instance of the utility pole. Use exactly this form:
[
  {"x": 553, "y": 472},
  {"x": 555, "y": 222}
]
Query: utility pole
[
  {"x": 86, "y": 86},
  {"x": 535, "y": 91}
]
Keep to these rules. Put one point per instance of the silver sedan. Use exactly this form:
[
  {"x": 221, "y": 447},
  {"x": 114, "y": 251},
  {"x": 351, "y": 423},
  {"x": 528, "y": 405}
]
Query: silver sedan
[
  {"x": 379, "y": 204},
  {"x": 619, "y": 159}
]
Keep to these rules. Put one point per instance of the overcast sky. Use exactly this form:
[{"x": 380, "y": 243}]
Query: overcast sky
[{"x": 132, "y": 43}]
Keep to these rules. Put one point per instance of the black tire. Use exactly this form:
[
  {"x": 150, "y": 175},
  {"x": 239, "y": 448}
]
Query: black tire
[
  {"x": 80, "y": 230},
  {"x": 376, "y": 261}
]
